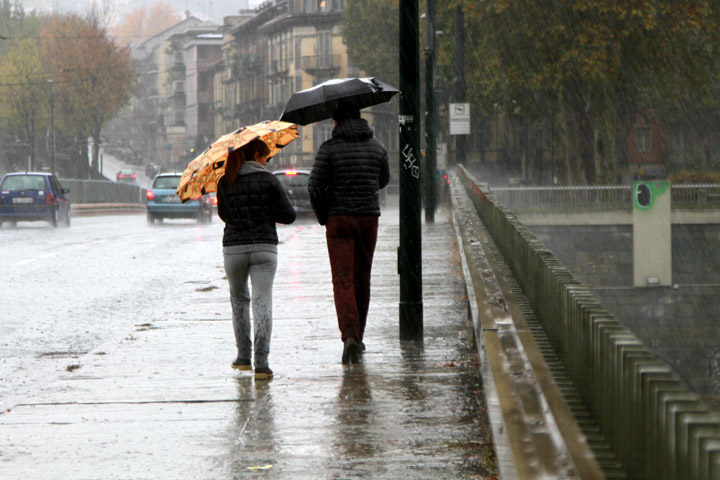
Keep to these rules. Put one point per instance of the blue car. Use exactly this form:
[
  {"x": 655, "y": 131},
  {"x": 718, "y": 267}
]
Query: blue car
[
  {"x": 33, "y": 196},
  {"x": 163, "y": 201}
]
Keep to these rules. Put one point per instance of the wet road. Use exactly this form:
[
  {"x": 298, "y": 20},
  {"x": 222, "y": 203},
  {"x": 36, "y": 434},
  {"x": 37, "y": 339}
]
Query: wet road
[
  {"x": 130, "y": 326},
  {"x": 66, "y": 291}
]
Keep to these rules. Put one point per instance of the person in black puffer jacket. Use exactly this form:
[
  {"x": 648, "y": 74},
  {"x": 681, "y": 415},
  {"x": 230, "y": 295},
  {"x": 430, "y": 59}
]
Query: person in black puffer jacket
[
  {"x": 250, "y": 202},
  {"x": 345, "y": 182}
]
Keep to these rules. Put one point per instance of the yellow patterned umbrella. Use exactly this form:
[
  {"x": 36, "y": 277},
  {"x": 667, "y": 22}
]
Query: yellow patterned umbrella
[{"x": 202, "y": 174}]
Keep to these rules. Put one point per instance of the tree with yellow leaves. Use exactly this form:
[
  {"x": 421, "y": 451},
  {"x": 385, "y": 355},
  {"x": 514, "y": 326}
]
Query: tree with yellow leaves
[{"x": 92, "y": 76}]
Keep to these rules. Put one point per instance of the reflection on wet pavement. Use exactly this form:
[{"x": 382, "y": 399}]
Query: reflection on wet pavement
[
  {"x": 163, "y": 402},
  {"x": 409, "y": 409}
]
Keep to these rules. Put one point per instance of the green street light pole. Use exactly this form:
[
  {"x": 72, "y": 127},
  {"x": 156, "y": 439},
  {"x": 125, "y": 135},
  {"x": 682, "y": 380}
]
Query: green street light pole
[
  {"x": 409, "y": 254},
  {"x": 430, "y": 115}
]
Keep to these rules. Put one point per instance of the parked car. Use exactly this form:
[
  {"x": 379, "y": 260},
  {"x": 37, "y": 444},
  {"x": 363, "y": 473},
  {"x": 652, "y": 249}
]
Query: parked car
[
  {"x": 126, "y": 176},
  {"x": 296, "y": 183},
  {"x": 163, "y": 202},
  {"x": 212, "y": 197},
  {"x": 33, "y": 196}
]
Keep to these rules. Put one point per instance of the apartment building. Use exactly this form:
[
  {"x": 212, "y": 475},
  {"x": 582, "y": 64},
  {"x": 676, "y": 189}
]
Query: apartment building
[
  {"x": 198, "y": 81},
  {"x": 281, "y": 47},
  {"x": 170, "y": 107}
]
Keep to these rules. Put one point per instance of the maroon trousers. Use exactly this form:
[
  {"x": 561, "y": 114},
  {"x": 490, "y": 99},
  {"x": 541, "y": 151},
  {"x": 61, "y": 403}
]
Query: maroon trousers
[{"x": 351, "y": 244}]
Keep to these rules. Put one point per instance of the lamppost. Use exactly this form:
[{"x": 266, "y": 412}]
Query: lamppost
[
  {"x": 52, "y": 123},
  {"x": 430, "y": 116},
  {"x": 409, "y": 254}
]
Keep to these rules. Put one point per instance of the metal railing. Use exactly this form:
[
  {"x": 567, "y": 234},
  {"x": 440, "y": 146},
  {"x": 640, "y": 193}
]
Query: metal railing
[
  {"x": 102, "y": 191},
  {"x": 658, "y": 428},
  {"x": 594, "y": 198}
]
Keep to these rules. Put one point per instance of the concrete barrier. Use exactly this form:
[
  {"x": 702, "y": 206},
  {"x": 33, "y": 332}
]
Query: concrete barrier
[
  {"x": 90, "y": 209},
  {"x": 657, "y": 427}
]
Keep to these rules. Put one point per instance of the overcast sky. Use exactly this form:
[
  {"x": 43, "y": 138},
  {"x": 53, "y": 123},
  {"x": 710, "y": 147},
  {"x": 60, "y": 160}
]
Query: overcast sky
[{"x": 205, "y": 9}]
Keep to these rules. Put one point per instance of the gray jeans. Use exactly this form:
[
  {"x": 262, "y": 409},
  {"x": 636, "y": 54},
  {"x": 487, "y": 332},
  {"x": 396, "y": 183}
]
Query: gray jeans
[{"x": 260, "y": 268}]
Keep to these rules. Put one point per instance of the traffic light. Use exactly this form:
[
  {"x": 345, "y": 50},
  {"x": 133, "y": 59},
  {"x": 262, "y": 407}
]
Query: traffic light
[{"x": 645, "y": 193}]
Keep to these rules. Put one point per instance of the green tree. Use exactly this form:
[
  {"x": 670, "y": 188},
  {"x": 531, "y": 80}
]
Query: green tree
[
  {"x": 370, "y": 30},
  {"x": 592, "y": 65},
  {"x": 24, "y": 94},
  {"x": 596, "y": 62}
]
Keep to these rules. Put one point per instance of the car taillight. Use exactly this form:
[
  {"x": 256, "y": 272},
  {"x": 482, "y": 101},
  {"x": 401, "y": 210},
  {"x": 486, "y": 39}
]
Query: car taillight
[
  {"x": 214, "y": 201},
  {"x": 49, "y": 198},
  {"x": 290, "y": 172},
  {"x": 132, "y": 176},
  {"x": 150, "y": 195},
  {"x": 122, "y": 175}
]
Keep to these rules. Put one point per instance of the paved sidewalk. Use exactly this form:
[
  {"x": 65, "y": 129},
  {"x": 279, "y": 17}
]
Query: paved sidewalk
[{"x": 163, "y": 403}]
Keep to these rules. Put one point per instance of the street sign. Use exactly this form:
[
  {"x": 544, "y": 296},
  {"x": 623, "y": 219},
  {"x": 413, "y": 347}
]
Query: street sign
[{"x": 459, "y": 119}]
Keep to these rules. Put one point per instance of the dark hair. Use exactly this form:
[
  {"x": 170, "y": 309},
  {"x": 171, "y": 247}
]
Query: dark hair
[
  {"x": 237, "y": 157},
  {"x": 255, "y": 146},
  {"x": 345, "y": 111}
]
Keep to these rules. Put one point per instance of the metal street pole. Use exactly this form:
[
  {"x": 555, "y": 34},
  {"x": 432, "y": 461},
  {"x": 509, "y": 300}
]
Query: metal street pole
[
  {"x": 430, "y": 115},
  {"x": 52, "y": 123},
  {"x": 409, "y": 255},
  {"x": 460, "y": 144}
]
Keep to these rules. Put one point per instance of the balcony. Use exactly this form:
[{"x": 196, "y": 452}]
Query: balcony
[
  {"x": 249, "y": 109},
  {"x": 279, "y": 68},
  {"x": 323, "y": 64}
]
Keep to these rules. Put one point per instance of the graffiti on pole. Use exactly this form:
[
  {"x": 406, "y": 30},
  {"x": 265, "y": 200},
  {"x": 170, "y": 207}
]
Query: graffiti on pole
[{"x": 410, "y": 162}]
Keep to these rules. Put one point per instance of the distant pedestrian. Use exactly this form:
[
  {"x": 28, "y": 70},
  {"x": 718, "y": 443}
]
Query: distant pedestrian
[
  {"x": 250, "y": 202},
  {"x": 349, "y": 170}
]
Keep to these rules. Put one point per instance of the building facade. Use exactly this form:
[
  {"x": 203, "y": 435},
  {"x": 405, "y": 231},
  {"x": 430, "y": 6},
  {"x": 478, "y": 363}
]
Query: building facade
[
  {"x": 198, "y": 81},
  {"x": 281, "y": 47}
]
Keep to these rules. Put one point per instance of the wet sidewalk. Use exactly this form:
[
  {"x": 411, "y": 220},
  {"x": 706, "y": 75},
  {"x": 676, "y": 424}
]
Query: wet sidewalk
[{"x": 163, "y": 403}]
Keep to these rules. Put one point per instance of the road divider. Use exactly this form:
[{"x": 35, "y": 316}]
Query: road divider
[{"x": 89, "y": 209}]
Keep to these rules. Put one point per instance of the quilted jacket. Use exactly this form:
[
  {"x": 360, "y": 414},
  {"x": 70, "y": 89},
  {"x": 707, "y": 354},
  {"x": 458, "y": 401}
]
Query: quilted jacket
[
  {"x": 252, "y": 206},
  {"x": 349, "y": 170}
]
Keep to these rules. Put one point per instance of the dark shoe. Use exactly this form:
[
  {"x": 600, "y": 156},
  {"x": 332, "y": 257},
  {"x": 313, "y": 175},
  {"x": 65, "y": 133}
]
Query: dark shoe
[
  {"x": 263, "y": 373},
  {"x": 351, "y": 352},
  {"x": 241, "y": 364}
]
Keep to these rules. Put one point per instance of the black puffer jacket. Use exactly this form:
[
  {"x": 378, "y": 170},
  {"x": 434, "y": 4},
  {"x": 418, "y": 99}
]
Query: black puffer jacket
[
  {"x": 252, "y": 207},
  {"x": 348, "y": 172}
]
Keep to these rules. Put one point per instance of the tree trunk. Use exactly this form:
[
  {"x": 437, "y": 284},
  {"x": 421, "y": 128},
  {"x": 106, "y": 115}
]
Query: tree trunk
[
  {"x": 95, "y": 160},
  {"x": 579, "y": 137},
  {"x": 605, "y": 128}
]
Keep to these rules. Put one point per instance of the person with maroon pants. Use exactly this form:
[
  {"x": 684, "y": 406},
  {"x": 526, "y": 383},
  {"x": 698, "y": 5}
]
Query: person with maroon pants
[{"x": 349, "y": 170}]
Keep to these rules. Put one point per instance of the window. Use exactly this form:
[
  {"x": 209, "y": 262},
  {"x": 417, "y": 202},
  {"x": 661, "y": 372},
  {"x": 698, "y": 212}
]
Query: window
[
  {"x": 323, "y": 131},
  {"x": 324, "y": 48},
  {"x": 337, "y": 5},
  {"x": 310, "y": 6},
  {"x": 324, "y": 5},
  {"x": 276, "y": 93},
  {"x": 644, "y": 139}
]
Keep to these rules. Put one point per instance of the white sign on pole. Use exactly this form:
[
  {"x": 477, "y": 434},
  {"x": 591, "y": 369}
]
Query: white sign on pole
[{"x": 459, "y": 119}]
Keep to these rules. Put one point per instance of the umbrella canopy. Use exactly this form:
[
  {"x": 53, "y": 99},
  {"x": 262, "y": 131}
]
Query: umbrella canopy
[
  {"x": 202, "y": 174},
  {"x": 319, "y": 102}
]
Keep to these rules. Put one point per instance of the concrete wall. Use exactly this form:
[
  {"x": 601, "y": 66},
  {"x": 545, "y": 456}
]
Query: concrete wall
[
  {"x": 658, "y": 428},
  {"x": 681, "y": 325}
]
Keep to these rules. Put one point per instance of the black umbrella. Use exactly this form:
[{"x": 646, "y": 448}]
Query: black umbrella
[{"x": 319, "y": 102}]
